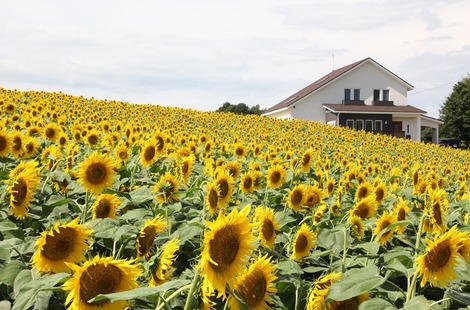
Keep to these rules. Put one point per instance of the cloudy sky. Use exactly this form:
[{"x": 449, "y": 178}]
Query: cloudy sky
[{"x": 200, "y": 54}]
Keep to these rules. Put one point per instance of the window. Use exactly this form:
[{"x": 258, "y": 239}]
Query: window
[
  {"x": 347, "y": 94},
  {"x": 407, "y": 128},
  {"x": 359, "y": 124},
  {"x": 350, "y": 123},
  {"x": 378, "y": 125},
  {"x": 369, "y": 125},
  {"x": 386, "y": 95},
  {"x": 376, "y": 94},
  {"x": 357, "y": 94}
]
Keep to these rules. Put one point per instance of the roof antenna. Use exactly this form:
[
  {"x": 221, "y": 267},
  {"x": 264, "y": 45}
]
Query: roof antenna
[{"x": 333, "y": 68}]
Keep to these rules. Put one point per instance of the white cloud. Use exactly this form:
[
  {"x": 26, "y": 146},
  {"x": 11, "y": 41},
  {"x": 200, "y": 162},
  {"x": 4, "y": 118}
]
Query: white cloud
[{"x": 200, "y": 54}]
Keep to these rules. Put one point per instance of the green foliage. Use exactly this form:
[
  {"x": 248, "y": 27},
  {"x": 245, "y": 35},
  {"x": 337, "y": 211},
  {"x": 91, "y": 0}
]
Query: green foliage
[
  {"x": 455, "y": 112},
  {"x": 240, "y": 108}
]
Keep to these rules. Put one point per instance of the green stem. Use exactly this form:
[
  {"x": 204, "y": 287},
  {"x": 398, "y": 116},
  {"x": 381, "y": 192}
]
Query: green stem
[
  {"x": 20, "y": 255},
  {"x": 345, "y": 250},
  {"x": 439, "y": 301},
  {"x": 123, "y": 245},
  {"x": 175, "y": 294},
  {"x": 85, "y": 207},
  {"x": 412, "y": 288},
  {"x": 190, "y": 301}
]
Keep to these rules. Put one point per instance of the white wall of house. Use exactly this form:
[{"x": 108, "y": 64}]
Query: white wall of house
[
  {"x": 281, "y": 114},
  {"x": 411, "y": 126},
  {"x": 366, "y": 77}
]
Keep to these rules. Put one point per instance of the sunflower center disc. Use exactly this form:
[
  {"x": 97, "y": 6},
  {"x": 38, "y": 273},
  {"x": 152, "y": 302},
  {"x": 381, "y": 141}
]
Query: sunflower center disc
[
  {"x": 20, "y": 190},
  {"x": 438, "y": 257},
  {"x": 297, "y": 197},
  {"x": 60, "y": 245},
  {"x": 253, "y": 290},
  {"x": 103, "y": 209},
  {"x": 224, "y": 248},
  {"x": 301, "y": 243},
  {"x": 275, "y": 177},
  {"x": 267, "y": 229},
  {"x": 99, "y": 279},
  {"x": 3, "y": 143},
  {"x": 223, "y": 187}
]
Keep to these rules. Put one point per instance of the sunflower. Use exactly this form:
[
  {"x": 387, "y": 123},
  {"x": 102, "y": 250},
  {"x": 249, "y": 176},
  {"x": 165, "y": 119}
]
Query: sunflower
[
  {"x": 330, "y": 186},
  {"x": 101, "y": 275},
  {"x": 239, "y": 150},
  {"x": 313, "y": 195},
  {"x": 166, "y": 188},
  {"x": 185, "y": 167},
  {"x": 212, "y": 197},
  {"x": 385, "y": 220},
  {"x": 32, "y": 146},
  {"x": 52, "y": 131},
  {"x": 121, "y": 152},
  {"x": 63, "y": 139},
  {"x": 296, "y": 197},
  {"x": 148, "y": 153},
  {"x": 265, "y": 226},
  {"x": 319, "y": 291},
  {"x": 18, "y": 145},
  {"x": 365, "y": 208},
  {"x": 96, "y": 172},
  {"x": 92, "y": 137},
  {"x": 437, "y": 209},
  {"x": 357, "y": 226},
  {"x": 306, "y": 161},
  {"x": 224, "y": 183},
  {"x": 228, "y": 244},
  {"x": 64, "y": 243},
  {"x": 255, "y": 285},
  {"x": 380, "y": 192},
  {"x": 246, "y": 183},
  {"x": 363, "y": 190},
  {"x": 276, "y": 176},
  {"x": 163, "y": 269},
  {"x": 401, "y": 209},
  {"x": 318, "y": 214},
  {"x": 6, "y": 142},
  {"x": 23, "y": 182},
  {"x": 303, "y": 242},
  {"x": 160, "y": 137},
  {"x": 437, "y": 264},
  {"x": 106, "y": 206},
  {"x": 147, "y": 234},
  {"x": 233, "y": 168}
]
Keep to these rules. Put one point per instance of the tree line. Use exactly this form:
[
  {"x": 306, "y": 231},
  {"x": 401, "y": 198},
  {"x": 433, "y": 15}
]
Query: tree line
[{"x": 240, "y": 108}]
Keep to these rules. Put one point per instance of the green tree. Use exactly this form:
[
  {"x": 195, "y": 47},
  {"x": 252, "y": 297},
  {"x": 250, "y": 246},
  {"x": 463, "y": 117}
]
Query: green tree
[
  {"x": 455, "y": 112},
  {"x": 240, "y": 108}
]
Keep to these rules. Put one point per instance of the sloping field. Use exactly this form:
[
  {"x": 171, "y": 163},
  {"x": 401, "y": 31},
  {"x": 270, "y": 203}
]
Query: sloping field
[{"x": 107, "y": 204}]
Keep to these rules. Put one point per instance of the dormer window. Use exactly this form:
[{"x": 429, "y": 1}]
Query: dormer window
[
  {"x": 357, "y": 94},
  {"x": 376, "y": 94},
  {"x": 347, "y": 94},
  {"x": 382, "y": 97},
  {"x": 385, "y": 95}
]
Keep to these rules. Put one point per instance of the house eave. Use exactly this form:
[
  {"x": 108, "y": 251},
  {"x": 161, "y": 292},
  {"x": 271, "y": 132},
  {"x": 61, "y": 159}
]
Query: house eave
[{"x": 275, "y": 111}]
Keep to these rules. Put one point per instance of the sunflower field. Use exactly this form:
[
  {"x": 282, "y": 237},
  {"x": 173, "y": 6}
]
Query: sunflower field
[{"x": 111, "y": 205}]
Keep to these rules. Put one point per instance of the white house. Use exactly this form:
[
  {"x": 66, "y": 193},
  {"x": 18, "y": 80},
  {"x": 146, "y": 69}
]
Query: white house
[{"x": 363, "y": 95}]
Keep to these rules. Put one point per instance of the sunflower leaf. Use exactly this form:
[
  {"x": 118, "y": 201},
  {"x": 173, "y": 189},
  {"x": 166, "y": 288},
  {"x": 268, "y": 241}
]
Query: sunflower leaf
[
  {"x": 28, "y": 293},
  {"x": 459, "y": 296},
  {"x": 376, "y": 304},
  {"x": 141, "y": 291},
  {"x": 416, "y": 303},
  {"x": 355, "y": 282},
  {"x": 10, "y": 271}
]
